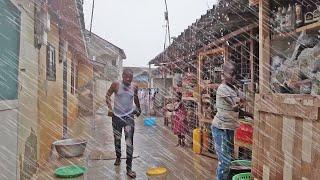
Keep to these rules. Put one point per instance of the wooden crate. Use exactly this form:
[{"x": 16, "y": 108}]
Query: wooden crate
[{"x": 286, "y": 140}]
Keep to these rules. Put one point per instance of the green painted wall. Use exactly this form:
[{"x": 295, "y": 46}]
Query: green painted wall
[{"x": 9, "y": 50}]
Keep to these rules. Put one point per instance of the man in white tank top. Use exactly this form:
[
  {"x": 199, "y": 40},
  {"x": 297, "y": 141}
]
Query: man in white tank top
[{"x": 125, "y": 94}]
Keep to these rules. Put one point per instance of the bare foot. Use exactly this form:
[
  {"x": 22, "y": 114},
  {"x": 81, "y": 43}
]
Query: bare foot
[{"x": 183, "y": 144}]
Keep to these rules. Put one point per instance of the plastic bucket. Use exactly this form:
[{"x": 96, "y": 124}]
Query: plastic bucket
[{"x": 151, "y": 121}]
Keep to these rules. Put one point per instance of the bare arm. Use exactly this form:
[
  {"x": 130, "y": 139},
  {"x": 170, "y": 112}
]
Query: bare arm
[
  {"x": 177, "y": 106},
  {"x": 136, "y": 101},
  {"x": 136, "y": 98},
  {"x": 245, "y": 113},
  {"x": 113, "y": 89}
]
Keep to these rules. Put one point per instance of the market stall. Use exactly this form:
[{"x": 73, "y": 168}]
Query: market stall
[
  {"x": 238, "y": 46},
  {"x": 198, "y": 54},
  {"x": 287, "y": 107}
]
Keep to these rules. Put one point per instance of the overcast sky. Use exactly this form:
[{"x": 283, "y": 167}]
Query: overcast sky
[{"x": 137, "y": 26}]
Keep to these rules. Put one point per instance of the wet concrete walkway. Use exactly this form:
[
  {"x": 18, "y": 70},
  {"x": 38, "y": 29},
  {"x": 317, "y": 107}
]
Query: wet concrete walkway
[{"x": 153, "y": 146}]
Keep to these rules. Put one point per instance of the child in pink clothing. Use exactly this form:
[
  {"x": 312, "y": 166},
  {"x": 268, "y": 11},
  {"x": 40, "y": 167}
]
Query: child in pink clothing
[{"x": 179, "y": 119}]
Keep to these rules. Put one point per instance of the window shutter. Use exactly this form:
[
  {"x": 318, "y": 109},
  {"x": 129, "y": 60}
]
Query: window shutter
[{"x": 48, "y": 62}]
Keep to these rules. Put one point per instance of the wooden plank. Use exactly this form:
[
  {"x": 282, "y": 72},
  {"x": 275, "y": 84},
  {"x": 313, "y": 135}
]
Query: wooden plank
[
  {"x": 226, "y": 53},
  {"x": 275, "y": 104},
  {"x": 272, "y": 122},
  {"x": 213, "y": 51},
  {"x": 228, "y": 36},
  {"x": 277, "y": 147},
  {"x": 307, "y": 131},
  {"x": 298, "y": 99},
  {"x": 268, "y": 162},
  {"x": 312, "y": 26},
  {"x": 255, "y": 145},
  {"x": 266, "y": 172},
  {"x": 264, "y": 47},
  {"x": 297, "y": 150},
  {"x": 288, "y": 130},
  {"x": 199, "y": 70},
  {"x": 315, "y": 168},
  {"x": 251, "y": 61},
  {"x": 261, "y": 142}
]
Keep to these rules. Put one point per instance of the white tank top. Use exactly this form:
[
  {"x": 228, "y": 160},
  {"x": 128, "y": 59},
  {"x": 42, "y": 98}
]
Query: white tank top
[{"x": 123, "y": 100}]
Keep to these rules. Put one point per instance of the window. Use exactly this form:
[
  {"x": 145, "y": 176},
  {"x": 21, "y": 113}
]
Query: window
[
  {"x": 114, "y": 62},
  {"x": 74, "y": 75},
  {"x": 51, "y": 63}
]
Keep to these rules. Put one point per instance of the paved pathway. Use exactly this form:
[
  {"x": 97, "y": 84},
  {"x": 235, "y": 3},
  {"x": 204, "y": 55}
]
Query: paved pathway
[{"x": 154, "y": 146}]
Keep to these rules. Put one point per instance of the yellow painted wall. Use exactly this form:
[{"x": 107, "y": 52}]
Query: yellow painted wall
[
  {"x": 72, "y": 99},
  {"x": 85, "y": 73},
  {"x": 50, "y": 99}
]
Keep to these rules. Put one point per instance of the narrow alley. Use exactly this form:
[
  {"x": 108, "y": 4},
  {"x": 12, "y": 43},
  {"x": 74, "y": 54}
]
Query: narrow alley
[
  {"x": 154, "y": 146},
  {"x": 219, "y": 89}
]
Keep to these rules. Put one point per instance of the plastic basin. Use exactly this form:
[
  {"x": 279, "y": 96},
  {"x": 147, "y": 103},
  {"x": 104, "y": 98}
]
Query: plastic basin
[
  {"x": 157, "y": 173},
  {"x": 70, "y": 147},
  {"x": 151, "y": 121},
  {"x": 70, "y": 171},
  {"x": 242, "y": 176}
]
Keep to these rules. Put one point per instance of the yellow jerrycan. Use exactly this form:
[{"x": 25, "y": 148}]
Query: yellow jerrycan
[{"x": 197, "y": 141}]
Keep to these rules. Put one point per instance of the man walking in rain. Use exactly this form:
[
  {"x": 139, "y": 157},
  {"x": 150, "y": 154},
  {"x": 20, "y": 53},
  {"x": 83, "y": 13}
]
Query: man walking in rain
[{"x": 125, "y": 94}]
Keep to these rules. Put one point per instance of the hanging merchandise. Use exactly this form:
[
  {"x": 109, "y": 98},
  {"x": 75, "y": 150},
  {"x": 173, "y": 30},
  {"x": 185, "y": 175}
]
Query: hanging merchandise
[
  {"x": 283, "y": 19},
  {"x": 316, "y": 13},
  {"x": 189, "y": 83},
  {"x": 290, "y": 19},
  {"x": 312, "y": 11},
  {"x": 298, "y": 11},
  {"x": 276, "y": 20}
]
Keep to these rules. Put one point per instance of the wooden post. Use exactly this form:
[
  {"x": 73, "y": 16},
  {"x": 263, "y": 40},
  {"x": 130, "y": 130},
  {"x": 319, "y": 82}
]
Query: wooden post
[
  {"x": 199, "y": 87},
  {"x": 251, "y": 61},
  {"x": 226, "y": 52},
  {"x": 264, "y": 47}
]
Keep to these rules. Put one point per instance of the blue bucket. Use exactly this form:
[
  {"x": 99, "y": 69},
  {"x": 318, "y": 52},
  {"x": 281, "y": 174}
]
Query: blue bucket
[{"x": 150, "y": 121}]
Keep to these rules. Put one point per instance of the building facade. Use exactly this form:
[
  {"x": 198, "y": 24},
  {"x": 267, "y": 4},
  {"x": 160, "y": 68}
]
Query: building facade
[
  {"x": 107, "y": 60},
  {"x": 43, "y": 61}
]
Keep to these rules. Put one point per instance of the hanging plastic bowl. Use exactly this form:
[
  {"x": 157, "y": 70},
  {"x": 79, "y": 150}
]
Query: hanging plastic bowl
[
  {"x": 70, "y": 171},
  {"x": 151, "y": 121}
]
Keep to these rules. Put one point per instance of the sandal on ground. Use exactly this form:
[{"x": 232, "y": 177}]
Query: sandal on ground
[
  {"x": 183, "y": 144},
  {"x": 131, "y": 174},
  {"x": 117, "y": 162}
]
